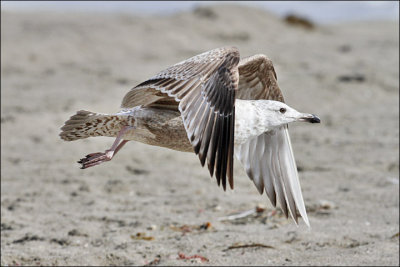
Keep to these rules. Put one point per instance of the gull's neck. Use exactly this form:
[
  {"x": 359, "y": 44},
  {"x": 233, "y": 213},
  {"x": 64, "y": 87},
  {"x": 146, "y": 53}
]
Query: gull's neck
[{"x": 251, "y": 120}]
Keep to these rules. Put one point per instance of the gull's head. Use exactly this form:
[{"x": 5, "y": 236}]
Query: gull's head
[{"x": 278, "y": 113}]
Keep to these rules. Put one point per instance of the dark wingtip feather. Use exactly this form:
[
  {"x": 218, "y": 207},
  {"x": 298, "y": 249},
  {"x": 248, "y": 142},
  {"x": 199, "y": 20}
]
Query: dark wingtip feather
[
  {"x": 231, "y": 149},
  {"x": 218, "y": 179},
  {"x": 273, "y": 199},
  {"x": 210, "y": 168},
  {"x": 285, "y": 209},
  {"x": 211, "y": 154},
  {"x": 197, "y": 149},
  {"x": 202, "y": 158}
]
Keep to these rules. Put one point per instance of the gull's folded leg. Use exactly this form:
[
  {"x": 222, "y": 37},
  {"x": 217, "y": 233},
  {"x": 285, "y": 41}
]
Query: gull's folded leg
[{"x": 94, "y": 159}]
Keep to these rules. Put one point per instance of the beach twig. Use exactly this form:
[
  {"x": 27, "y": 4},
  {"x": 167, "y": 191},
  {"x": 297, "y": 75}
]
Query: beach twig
[
  {"x": 142, "y": 236},
  {"x": 182, "y": 256},
  {"x": 252, "y": 245},
  {"x": 238, "y": 215}
]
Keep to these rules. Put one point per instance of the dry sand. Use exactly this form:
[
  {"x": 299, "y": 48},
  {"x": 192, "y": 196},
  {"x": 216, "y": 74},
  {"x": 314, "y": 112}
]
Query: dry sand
[{"x": 53, "y": 213}]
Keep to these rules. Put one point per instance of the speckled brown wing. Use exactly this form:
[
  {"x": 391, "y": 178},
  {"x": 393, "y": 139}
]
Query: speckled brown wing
[
  {"x": 268, "y": 158},
  {"x": 258, "y": 80},
  {"x": 204, "y": 86}
]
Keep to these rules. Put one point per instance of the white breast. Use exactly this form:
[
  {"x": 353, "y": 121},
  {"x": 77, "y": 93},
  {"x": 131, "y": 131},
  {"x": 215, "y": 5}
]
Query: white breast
[{"x": 248, "y": 121}]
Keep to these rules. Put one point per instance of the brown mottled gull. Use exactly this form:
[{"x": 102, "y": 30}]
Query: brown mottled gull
[{"x": 215, "y": 105}]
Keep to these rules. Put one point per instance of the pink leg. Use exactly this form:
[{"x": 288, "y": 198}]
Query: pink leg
[{"x": 94, "y": 159}]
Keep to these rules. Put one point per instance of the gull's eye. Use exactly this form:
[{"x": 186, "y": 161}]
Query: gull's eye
[{"x": 282, "y": 110}]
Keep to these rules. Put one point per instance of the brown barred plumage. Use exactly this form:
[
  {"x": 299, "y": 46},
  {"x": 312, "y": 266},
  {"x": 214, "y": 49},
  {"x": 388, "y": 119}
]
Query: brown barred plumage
[{"x": 86, "y": 124}]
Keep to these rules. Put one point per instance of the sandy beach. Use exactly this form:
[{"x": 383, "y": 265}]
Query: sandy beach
[{"x": 154, "y": 206}]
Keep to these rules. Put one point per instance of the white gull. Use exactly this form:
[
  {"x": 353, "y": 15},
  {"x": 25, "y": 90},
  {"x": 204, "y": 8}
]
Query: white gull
[{"x": 215, "y": 105}]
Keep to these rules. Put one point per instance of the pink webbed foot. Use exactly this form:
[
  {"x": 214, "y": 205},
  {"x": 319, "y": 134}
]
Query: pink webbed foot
[{"x": 94, "y": 159}]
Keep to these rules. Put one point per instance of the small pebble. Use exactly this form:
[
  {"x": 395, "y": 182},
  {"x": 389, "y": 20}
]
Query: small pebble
[
  {"x": 325, "y": 204},
  {"x": 152, "y": 227}
]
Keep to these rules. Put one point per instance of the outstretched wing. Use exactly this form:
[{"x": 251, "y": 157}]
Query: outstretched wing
[
  {"x": 268, "y": 158},
  {"x": 204, "y": 86}
]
